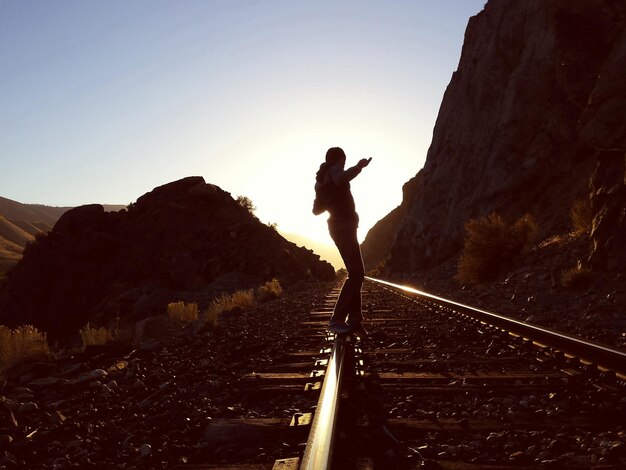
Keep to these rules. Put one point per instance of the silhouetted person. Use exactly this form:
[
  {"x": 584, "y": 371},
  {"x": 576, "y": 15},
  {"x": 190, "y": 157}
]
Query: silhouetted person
[{"x": 342, "y": 225}]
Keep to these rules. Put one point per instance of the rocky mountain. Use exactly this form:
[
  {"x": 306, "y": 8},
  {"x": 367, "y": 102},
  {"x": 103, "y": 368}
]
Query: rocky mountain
[
  {"x": 20, "y": 223},
  {"x": 535, "y": 109},
  {"x": 186, "y": 240}
]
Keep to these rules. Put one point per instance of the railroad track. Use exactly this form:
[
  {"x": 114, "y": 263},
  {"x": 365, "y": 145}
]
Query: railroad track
[{"x": 437, "y": 384}]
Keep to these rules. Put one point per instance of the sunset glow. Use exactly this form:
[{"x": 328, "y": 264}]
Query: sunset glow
[{"x": 101, "y": 102}]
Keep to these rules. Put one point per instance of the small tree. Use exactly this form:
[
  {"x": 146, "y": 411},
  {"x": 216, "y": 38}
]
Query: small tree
[{"x": 246, "y": 203}]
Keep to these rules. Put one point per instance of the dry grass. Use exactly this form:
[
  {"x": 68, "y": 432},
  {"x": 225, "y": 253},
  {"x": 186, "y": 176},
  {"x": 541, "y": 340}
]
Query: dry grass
[
  {"x": 268, "y": 291},
  {"x": 582, "y": 216},
  {"x": 21, "y": 344},
  {"x": 491, "y": 246},
  {"x": 95, "y": 336},
  {"x": 242, "y": 299},
  {"x": 100, "y": 336},
  {"x": 180, "y": 312},
  {"x": 576, "y": 277}
]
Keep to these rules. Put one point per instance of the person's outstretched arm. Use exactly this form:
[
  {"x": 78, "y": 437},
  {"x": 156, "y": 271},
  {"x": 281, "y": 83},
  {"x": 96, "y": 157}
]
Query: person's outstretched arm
[{"x": 341, "y": 177}]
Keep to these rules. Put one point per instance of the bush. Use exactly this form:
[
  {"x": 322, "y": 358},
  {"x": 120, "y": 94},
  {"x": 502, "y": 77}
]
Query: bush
[
  {"x": 576, "y": 277},
  {"x": 100, "y": 336},
  {"x": 20, "y": 344},
  {"x": 491, "y": 246},
  {"x": 270, "y": 290},
  {"x": 246, "y": 203},
  {"x": 582, "y": 216},
  {"x": 242, "y": 299},
  {"x": 182, "y": 312},
  {"x": 94, "y": 336}
]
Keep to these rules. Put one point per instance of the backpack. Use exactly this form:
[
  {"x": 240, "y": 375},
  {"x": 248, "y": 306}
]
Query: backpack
[{"x": 324, "y": 192}]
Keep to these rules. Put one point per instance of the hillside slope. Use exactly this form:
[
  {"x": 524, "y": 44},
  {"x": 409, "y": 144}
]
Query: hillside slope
[
  {"x": 14, "y": 233},
  {"x": 186, "y": 240}
]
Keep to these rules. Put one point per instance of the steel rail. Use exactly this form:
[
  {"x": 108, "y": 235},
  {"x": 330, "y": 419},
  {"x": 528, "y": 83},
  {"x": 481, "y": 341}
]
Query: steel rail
[
  {"x": 319, "y": 447},
  {"x": 603, "y": 356}
]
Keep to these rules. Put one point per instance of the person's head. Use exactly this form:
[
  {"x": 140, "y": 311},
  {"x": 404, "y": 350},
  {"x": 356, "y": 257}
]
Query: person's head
[{"x": 335, "y": 155}]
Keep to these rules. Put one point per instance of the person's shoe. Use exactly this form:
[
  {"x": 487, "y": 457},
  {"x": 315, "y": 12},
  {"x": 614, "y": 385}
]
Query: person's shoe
[
  {"x": 338, "y": 327},
  {"x": 357, "y": 328}
]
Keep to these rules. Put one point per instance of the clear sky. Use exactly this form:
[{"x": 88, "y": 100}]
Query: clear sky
[{"x": 101, "y": 101}]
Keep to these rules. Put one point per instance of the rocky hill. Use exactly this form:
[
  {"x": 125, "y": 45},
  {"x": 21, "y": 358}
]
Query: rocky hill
[
  {"x": 532, "y": 119},
  {"x": 186, "y": 240}
]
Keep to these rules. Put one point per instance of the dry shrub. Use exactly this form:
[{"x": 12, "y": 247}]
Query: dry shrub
[
  {"x": 242, "y": 299},
  {"x": 491, "y": 246},
  {"x": 92, "y": 336},
  {"x": 100, "y": 336},
  {"x": 268, "y": 291},
  {"x": 582, "y": 215},
  {"x": 21, "y": 344},
  {"x": 576, "y": 277},
  {"x": 182, "y": 312},
  {"x": 212, "y": 313}
]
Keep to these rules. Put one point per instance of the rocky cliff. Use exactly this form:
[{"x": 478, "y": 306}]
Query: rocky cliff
[
  {"x": 537, "y": 102},
  {"x": 186, "y": 240}
]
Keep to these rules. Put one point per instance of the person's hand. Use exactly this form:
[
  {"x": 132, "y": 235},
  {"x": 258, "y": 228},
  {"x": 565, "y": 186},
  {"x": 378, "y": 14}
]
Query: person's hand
[{"x": 364, "y": 162}]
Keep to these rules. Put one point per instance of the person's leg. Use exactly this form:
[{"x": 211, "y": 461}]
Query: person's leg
[
  {"x": 356, "y": 273},
  {"x": 349, "y": 301}
]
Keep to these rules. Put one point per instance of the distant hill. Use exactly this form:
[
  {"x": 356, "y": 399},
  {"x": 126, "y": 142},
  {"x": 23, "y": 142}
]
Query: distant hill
[
  {"x": 186, "y": 240},
  {"x": 14, "y": 210},
  {"x": 326, "y": 251},
  {"x": 20, "y": 223}
]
